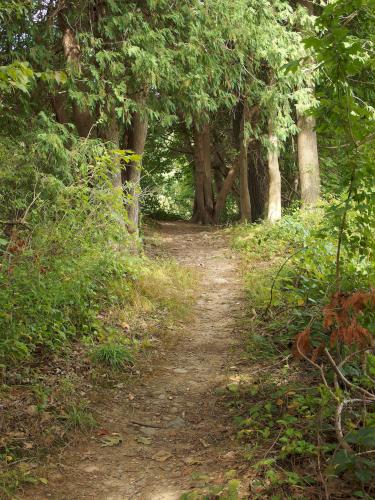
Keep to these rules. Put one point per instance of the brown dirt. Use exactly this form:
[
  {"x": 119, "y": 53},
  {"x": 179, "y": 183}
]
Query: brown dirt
[{"x": 186, "y": 423}]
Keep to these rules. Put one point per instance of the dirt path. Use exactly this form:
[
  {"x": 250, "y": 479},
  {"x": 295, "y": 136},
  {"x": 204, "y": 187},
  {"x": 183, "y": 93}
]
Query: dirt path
[{"x": 187, "y": 427}]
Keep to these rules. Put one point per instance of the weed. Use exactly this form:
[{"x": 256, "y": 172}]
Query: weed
[
  {"x": 112, "y": 355},
  {"x": 12, "y": 480},
  {"x": 79, "y": 418},
  {"x": 288, "y": 423}
]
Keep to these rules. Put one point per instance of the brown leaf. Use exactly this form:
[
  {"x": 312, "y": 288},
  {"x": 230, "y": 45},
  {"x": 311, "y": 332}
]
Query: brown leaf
[
  {"x": 302, "y": 346},
  {"x": 161, "y": 456}
]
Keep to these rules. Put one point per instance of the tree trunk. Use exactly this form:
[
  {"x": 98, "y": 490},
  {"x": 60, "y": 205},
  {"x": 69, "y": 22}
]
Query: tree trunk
[
  {"x": 203, "y": 175},
  {"x": 242, "y": 116},
  {"x": 258, "y": 180},
  {"x": 136, "y": 143},
  {"x": 224, "y": 191},
  {"x": 308, "y": 161},
  {"x": 307, "y": 144},
  {"x": 245, "y": 206},
  {"x": 82, "y": 116},
  {"x": 60, "y": 107},
  {"x": 274, "y": 185}
]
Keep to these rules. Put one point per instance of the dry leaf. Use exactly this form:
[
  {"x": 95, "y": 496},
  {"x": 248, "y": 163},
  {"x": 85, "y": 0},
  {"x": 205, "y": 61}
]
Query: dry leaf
[
  {"x": 143, "y": 440},
  {"x": 161, "y": 456},
  {"x": 204, "y": 443},
  {"x": 113, "y": 440}
]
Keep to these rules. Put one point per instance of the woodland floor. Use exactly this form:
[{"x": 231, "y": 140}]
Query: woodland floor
[{"x": 175, "y": 427}]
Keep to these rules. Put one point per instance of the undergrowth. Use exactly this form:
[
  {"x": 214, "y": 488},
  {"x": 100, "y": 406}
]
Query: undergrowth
[
  {"x": 287, "y": 415},
  {"x": 80, "y": 302}
]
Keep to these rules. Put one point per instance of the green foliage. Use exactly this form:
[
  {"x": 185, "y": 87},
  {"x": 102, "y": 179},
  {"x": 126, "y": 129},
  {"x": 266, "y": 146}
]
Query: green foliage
[
  {"x": 114, "y": 356},
  {"x": 298, "y": 263},
  {"x": 79, "y": 418}
]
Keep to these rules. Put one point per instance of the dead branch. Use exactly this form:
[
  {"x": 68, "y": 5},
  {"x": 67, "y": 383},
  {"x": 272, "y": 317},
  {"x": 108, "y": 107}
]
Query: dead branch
[
  {"x": 338, "y": 420},
  {"x": 345, "y": 380}
]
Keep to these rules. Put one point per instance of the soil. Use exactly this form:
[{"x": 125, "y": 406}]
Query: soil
[{"x": 175, "y": 426}]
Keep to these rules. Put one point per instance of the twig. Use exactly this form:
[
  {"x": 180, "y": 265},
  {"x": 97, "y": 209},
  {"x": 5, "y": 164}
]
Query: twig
[
  {"x": 273, "y": 444},
  {"x": 35, "y": 197},
  {"x": 13, "y": 222},
  {"x": 322, "y": 479},
  {"x": 145, "y": 424},
  {"x": 345, "y": 380},
  {"x": 271, "y": 366},
  {"x": 277, "y": 275},
  {"x": 338, "y": 425}
]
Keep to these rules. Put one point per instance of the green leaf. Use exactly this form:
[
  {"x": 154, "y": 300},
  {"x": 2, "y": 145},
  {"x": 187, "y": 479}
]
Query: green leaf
[{"x": 363, "y": 437}]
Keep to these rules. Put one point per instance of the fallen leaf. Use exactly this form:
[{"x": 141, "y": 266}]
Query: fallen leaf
[
  {"x": 131, "y": 396},
  {"x": 91, "y": 468},
  {"x": 113, "y": 440},
  {"x": 161, "y": 456},
  {"x": 102, "y": 432},
  {"x": 234, "y": 388},
  {"x": 143, "y": 440},
  {"x": 192, "y": 461},
  {"x": 28, "y": 446},
  {"x": 229, "y": 456},
  {"x": 16, "y": 434},
  {"x": 43, "y": 480},
  {"x": 204, "y": 443}
]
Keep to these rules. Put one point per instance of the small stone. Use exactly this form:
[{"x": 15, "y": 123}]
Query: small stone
[
  {"x": 161, "y": 456},
  {"x": 148, "y": 431},
  {"x": 91, "y": 468},
  {"x": 177, "y": 423},
  {"x": 32, "y": 410},
  {"x": 231, "y": 455}
]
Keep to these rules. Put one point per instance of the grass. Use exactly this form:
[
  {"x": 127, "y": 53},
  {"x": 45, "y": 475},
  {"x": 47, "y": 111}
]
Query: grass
[
  {"x": 48, "y": 398},
  {"x": 80, "y": 418},
  {"x": 111, "y": 355}
]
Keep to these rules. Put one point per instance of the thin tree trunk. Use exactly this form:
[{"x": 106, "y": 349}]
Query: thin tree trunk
[
  {"x": 225, "y": 190},
  {"x": 250, "y": 115},
  {"x": 245, "y": 206},
  {"x": 203, "y": 175},
  {"x": 274, "y": 185},
  {"x": 308, "y": 161},
  {"x": 307, "y": 144}
]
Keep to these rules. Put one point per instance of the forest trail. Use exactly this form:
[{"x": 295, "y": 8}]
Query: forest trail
[{"x": 187, "y": 427}]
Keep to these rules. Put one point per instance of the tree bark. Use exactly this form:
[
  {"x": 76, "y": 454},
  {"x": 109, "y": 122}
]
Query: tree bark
[
  {"x": 308, "y": 161},
  {"x": 307, "y": 144},
  {"x": 82, "y": 116},
  {"x": 136, "y": 143},
  {"x": 224, "y": 191},
  {"x": 274, "y": 185},
  {"x": 245, "y": 205},
  {"x": 258, "y": 180},
  {"x": 241, "y": 142},
  {"x": 203, "y": 175}
]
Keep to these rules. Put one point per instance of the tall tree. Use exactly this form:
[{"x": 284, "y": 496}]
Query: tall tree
[
  {"x": 274, "y": 184},
  {"x": 308, "y": 156}
]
